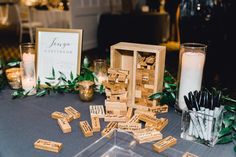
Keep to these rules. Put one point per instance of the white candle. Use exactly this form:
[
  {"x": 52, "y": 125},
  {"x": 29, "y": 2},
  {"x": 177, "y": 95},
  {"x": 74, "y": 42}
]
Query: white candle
[
  {"x": 28, "y": 76},
  {"x": 191, "y": 75}
]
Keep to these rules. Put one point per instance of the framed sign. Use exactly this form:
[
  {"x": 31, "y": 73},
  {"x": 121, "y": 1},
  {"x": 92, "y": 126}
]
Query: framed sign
[{"x": 58, "y": 49}]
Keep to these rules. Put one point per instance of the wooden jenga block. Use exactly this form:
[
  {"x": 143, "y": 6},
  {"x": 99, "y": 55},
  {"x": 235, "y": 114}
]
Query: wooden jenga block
[
  {"x": 129, "y": 127},
  {"x": 116, "y": 105},
  {"x": 64, "y": 125},
  {"x": 73, "y": 112},
  {"x": 124, "y": 72},
  {"x": 149, "y": 119},
  {"x": 129, "y": 113},
  {"x": 97, "y": 111},
  {"x": 134, "y": 119},
  {"x": 159, "y": 109},
  {"x": 115, "y": 118},
  {"x": 115, "y": 111},
  {"x": 58, "y": 115},
  {"x": 164, "y": 144},
  {"x": 149, "y": 86},
  {"x": 109, "y": 129},
  {"x": 86, "y": 129},
  {"x": 187, "y": 154},
  {"x": 148, "y": 125},
  {"x": 148, "y": 113},
  {"x": 164, "y": 109},
  {"x": 148, "y": 136},
  {"x": 95, "y": 124},
  {"x": 48, "y": 145},
  {"x": 162, "y": 124}
]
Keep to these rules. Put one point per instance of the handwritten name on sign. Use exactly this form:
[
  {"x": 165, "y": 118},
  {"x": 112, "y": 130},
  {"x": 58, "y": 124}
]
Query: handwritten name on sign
[
  {"x": 64, "y": 125},
  {"x": 73, "y": 112},
  {"x": 48, "y": 145},
  {"x": 58, "y": 115},
  {"x": 97, "y": 110},
  {"x": 129, "y": 127},
  {"x": 95, "y": 124},
  {"x": 86, "y": 129},
  {"x": 164, "y": 144},
  {"x": 108, "y": 130}
]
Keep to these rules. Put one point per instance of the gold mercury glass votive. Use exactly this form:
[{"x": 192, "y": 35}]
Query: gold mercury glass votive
[
  {"x": 13, "y": 77},
  {"x": 86, "y": 90}
]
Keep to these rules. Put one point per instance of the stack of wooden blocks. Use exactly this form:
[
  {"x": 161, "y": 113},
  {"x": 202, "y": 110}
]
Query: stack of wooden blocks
[{"x": 116, "y": 93}]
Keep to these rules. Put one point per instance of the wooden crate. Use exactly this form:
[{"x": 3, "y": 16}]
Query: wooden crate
[{"x": 144, "y": 79}]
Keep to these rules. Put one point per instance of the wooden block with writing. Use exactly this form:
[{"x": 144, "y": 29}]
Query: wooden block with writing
[
  {"x": 116, "y": 111},
  {"x": 73, "y": 112},
  {"x": 129, "y": 113},
  {"x": 86, "y": 129},
  {"x": 58, "y": 115},
  {"x": 148, "y": 136},
  {"x": 115, "y": 118},
  {"x": 64, "y": 125},
  {"x": 148, "y": 119},
  {"x": 159, "y": 109},
  {"x": 116, "y": 105},
  {"x": 134, "y": 119},
  {"x": 129, "y": 127},
  {"x": 97, "y": 111},
  {"x": 162, "y": 124},
  {"x": 187, "y": 154},
  {"x": 95, "y": 124},
  {"x": 148, "y": 113},
  {"x": 48, "y": 145},
  {"x": 107, "y": 131},
  {"x": 164, "y": 144}
]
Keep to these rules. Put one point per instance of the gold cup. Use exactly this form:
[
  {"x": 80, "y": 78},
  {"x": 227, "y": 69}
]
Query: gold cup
[
  {"x": 86, "y": 90},
  {"x": 13, "y": 77}
]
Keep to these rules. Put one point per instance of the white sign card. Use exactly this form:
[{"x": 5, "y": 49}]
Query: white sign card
[{"x": 58, "y": 49}]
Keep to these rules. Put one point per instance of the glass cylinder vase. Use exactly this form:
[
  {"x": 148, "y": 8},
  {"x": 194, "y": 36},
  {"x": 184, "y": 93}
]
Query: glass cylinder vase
[
  {"x": 28, "y": 78},
  {"x": 100, "y": 70},
  {"x": 191, "y": 63}
]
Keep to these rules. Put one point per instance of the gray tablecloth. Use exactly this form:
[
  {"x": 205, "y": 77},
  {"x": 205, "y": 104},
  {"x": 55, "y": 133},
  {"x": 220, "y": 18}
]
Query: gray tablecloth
[{"x": 23, "y": 121}]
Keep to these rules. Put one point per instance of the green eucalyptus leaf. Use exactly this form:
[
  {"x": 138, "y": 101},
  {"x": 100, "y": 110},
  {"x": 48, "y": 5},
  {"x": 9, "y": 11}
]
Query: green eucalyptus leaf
[
  {"x": 227, "y": 122},
  {"x": 62, "y": 75},
  {"x": 225, "y": 131},
  {"x": 224, "y": 140},
  {"x": 156, "y": 96},
  {"x": 27, "y": 93},
  {"x": 71, "y": 76},
  {"x": 235, "y": 149},
  {"x": 231, "y": 108},
  {"x": 234, "y": 126},
  {"x": 234, "y": 136},
  {"x": 48, "y": 84},
  {"x": 229, "y": 116},
  {"x": 50, "y": 78},
  {"x": 53, "y": 72},
  {"x": 41, "y": 93}
]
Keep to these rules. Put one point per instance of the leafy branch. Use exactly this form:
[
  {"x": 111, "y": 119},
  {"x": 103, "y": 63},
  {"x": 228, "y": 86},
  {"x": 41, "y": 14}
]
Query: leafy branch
[{"x": 167, "y": 96}]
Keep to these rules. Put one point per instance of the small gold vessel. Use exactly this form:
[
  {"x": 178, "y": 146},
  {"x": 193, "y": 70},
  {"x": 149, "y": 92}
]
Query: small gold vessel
[
  {"x": 86, "y": 90},
  {"x": 13, "y": 77}
]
